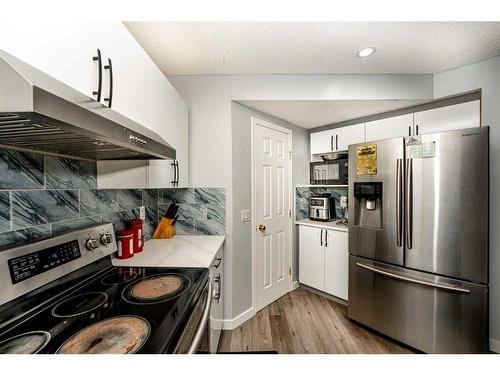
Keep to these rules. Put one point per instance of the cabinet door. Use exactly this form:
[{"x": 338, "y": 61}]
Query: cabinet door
[
  {"x": 322, "y": 142},
  {"x": 63, "y": 50},
  {"x": 348, "y": 135},
  {"x": 169, "y": 118},
  {"x": 458, "y": 116},
  {"x": 311, "y": 257},
  {"x": 392, "y": 127},
  {"x": 130, "y": 64},
  {"x": 336, "y": 263}
]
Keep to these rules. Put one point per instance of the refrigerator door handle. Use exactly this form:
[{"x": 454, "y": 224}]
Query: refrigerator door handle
[
  {"x": 399, "y": 200},
  {"x": 443, "y": 286},
  {"x": 409, "y": 204}
]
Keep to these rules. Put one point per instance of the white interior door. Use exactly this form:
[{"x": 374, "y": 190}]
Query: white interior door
[{"x": 271, "y": 194}]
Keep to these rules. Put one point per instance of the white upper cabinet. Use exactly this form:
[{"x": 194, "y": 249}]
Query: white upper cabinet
[
  {"x": 337, "y": 139},
  {"x": 322, "y": 142},
  {"x": 169, "y": 118},
  {"x": 392, "y": 127},
  {"x": 130, "y": 70},
  {"x": 63, "y": 50},
  {"x": 453, "y": 117},
  {"x": 349, "y": 135}
]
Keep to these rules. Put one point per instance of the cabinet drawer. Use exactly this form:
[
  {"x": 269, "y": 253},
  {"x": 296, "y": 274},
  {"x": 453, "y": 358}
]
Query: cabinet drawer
[{"x": 408, "y": 308}]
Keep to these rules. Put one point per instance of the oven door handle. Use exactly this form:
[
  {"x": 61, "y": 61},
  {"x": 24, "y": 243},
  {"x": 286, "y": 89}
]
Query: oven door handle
[{"x": 203, "y": 322}]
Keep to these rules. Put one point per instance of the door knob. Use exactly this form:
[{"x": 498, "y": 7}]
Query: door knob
[{"x": 262, "y": 228}]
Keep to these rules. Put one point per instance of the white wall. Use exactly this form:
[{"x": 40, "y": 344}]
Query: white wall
[
  {"x": 484, "y": 75},
  {"x": 210, "y": 141}
]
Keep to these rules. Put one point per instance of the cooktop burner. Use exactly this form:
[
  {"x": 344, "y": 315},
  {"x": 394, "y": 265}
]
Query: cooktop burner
[
  {"x": 79, "y": 304},
  {"x": 25, "y": 343},
  {"x": 118, "y": 335},
  {"x": 119, "y": 276},
  {"x": 156, "y": 288},
  {"x": 105, "y": 309}
]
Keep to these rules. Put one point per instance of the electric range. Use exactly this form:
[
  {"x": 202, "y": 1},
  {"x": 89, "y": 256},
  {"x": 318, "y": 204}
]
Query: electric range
[{"x": 63, "y": 298}]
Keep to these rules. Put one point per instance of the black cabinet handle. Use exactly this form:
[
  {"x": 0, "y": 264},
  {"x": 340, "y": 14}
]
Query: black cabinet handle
[
  {"x": 417, "y": 130},
  {"x": 336, "y": 142},
  {"x": 321, "y": 238},
  {"x": 409, "y": 130},
  {"x": 178, "y": 174},
  {"x": 331, "y": 142},
  {"x": 175, "y": 164},
  {"x": 109, "y": 99},
  {"x": 326, "y": 237},
  {"x": 99, "y": 76}
]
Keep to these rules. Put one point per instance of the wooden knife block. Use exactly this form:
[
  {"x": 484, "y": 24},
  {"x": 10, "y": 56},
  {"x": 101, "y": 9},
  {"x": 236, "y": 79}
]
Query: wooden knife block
[{"x": 165, "y": 230}]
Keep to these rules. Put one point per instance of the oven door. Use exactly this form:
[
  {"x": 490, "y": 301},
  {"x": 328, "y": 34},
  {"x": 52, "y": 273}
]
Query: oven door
[
  {"x": 196, "y": 338},
  {"x": 333, "y": 172}
]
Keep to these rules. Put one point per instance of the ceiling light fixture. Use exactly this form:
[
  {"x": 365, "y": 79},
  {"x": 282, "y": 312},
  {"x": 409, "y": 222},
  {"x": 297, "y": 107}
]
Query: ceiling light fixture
[{"x": 365, "y": 52}]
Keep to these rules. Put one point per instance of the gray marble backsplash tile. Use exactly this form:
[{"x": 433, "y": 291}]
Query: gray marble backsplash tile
[
  {"x": 18, "y": 237},
  {"x": 213, "y": 196},
  {"x": 34, "y": 207},
  {"x": 95, "y": 201},
  {"x": 21, "y": 170},
  {"x": 302, "y": 195},
  {"x": 62, "y": 173},
  {"x": 4, "y": 211},
  {"x": 41, "y": 195}
]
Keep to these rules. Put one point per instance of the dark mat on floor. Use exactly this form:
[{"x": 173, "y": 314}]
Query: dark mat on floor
[{"x": 253, "y": 352}]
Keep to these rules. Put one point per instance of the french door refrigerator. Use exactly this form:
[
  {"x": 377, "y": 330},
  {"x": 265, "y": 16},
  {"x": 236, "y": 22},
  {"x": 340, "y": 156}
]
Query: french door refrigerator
[{"x": 418, "y": 239}]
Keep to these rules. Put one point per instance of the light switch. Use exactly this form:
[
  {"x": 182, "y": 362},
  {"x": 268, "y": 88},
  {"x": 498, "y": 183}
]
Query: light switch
[{"x": 245, "y": 215}]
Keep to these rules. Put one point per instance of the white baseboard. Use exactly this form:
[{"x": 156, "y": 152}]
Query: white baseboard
[
  {"x": 295, "y": 285},
  {"x": 495, "y": 345},
  {"x": 230, "y": 324}
]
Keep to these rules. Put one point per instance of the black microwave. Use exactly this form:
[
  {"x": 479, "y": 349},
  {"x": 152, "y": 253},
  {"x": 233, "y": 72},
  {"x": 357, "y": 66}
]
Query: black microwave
[{"x": 329, "y": 172}]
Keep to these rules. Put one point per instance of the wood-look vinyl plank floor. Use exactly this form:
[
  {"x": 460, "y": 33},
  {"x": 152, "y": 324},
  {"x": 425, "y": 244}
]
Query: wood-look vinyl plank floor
[{"x": 305, "y": 322}]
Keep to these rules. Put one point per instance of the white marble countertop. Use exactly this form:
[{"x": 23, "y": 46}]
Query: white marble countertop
[
  {"x": 180, "y": 251},
  {"x": 323, "y": 224}
]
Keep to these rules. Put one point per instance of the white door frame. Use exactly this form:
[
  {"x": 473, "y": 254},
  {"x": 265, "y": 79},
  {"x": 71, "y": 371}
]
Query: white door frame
[{"x": 256, "y": 121}]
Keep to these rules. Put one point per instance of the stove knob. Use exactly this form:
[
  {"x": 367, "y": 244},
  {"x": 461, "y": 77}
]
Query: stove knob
[
  {"x": 92, "y": 244},
  {"x": 106, "y": 239}
]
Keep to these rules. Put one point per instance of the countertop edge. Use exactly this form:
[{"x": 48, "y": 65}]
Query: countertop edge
[{"x": 332, "y": 225}]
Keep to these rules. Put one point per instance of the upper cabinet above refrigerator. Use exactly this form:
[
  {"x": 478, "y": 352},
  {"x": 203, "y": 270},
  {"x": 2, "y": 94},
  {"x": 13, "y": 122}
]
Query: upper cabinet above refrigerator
[
  {"x": 391, "y": 127},
  {"x": 453, "y": 117}
]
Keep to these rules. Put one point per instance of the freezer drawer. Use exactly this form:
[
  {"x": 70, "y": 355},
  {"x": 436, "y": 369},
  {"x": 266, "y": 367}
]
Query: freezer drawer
[{"x": 431, "y": 313}]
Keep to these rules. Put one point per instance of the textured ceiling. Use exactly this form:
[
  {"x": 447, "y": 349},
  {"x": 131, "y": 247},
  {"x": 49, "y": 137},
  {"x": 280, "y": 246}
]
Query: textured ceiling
[
  {"x": 192, "y": 48},
  {"x": 313, "y": 113}
]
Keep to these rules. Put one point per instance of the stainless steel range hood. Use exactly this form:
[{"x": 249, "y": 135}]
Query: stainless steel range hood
[{"x": 40, "y": 113}]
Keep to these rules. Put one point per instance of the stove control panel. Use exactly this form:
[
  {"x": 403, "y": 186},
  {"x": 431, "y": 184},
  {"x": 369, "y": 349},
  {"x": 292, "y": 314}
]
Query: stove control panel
[{"x": 26, "y": 266}]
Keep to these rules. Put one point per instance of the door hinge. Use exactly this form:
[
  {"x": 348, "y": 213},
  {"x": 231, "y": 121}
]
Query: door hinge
[
  {"x": 290, "y": 271},
  {"x": 290, "y": 155}
]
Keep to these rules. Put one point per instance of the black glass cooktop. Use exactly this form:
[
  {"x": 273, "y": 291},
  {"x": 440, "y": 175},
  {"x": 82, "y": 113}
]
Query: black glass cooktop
[{"x": 131, "y": 310}]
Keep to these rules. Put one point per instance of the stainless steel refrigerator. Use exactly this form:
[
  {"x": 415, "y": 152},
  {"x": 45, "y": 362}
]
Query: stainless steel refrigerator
[{"x": 418, "y": 239}]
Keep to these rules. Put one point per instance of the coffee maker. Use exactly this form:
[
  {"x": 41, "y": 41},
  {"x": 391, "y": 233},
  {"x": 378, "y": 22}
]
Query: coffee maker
[{"x": 322, "y": 207}]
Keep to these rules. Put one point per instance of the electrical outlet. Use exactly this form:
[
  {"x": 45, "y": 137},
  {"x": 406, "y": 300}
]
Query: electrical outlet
[
  {"x": 142, "y": 212},
  {"x": 245, "y": 215}
]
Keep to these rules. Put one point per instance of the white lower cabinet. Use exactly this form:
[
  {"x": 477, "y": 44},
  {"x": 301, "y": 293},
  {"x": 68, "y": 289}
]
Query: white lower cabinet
[
  {"x": 323, "y": 260},
  {"x": 311, "y": 257},
  {"x": 336, "y": 263}
]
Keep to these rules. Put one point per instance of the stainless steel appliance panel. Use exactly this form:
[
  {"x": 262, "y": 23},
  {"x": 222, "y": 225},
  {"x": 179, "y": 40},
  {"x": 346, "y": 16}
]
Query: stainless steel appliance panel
[
  {"x": 378, "y": 242},
  {"x": 431, "y": 313},
  {"x": 447, "y": 204},
  {"x": 217, "y": 309}
]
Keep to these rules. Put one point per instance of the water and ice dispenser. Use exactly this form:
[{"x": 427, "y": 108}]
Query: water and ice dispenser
[{"x": 368, "y": 198}]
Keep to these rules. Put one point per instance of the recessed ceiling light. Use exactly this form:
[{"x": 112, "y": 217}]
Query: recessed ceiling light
[{"x": 365, "y": 52}]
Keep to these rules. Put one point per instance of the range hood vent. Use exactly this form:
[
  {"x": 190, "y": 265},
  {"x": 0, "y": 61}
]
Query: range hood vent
[{"x": 41, "y": 114}]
